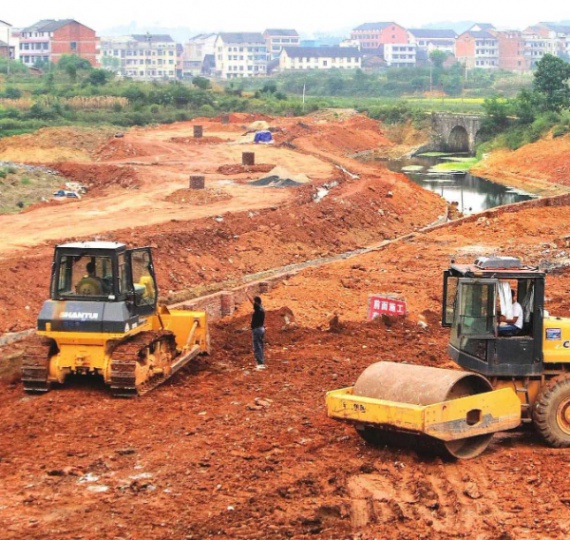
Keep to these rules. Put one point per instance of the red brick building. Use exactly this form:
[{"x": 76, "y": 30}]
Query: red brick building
[
  {"x": 372, "y": 35},
  {"x": 511, "y": 51},
  {"x": 477, "y": 49},
  {"x": 48, "y": 40}
]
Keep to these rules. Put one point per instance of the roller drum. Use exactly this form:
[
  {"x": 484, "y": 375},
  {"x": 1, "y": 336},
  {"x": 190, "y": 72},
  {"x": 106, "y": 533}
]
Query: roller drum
[{"x": 421, "y": 385}]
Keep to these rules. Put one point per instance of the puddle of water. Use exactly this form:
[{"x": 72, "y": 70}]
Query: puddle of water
[{"x": 471, "y": 193}]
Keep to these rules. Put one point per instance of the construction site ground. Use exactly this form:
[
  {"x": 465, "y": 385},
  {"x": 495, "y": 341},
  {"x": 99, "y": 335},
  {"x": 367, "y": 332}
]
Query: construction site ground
[{"x": 222, "y": 450}]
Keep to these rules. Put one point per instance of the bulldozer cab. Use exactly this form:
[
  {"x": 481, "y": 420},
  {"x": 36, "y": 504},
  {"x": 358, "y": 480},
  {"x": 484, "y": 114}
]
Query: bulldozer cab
[
  {"x": 473, "y": 298},
  {"x": 95, "y": 280}
]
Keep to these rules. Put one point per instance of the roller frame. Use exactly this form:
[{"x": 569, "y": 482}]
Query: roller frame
[{"x": 489, "y": 412}]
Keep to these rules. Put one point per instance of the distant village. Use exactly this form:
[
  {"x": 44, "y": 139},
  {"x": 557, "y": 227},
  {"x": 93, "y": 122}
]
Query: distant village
[{"x": 231, "y": 55}]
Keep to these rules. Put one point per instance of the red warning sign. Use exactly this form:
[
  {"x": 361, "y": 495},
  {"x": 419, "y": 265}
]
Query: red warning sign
[{"x": 379, "y": 304}]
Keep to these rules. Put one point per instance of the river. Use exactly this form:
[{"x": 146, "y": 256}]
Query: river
[{"x": 471, "y": 193}]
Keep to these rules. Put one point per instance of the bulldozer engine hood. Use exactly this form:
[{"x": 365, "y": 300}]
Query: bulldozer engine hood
[{"x": 70, "y": 316}]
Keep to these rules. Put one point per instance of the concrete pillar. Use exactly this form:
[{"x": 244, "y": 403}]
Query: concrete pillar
[
  {"x": 197, "y": 182},
  {"x": 248, "y": 158},
  {"x": 228, "y": 304}
]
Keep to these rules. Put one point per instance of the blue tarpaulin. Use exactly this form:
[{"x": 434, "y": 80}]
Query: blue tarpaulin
[{"x": 263, "y": 137}]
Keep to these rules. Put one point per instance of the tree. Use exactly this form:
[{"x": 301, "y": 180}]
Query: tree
[
  {"x": 99, "y": 77},
  {"x": 552, "y": 80},
  {"x": 437, "y": 58},
  {"x": 202, "y": 83},
  {"x": 71, "y": 64},
  {"x": 496, "y": 115}
]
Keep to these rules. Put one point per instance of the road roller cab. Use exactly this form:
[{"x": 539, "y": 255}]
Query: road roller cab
[{"x": 474, "y": 296}]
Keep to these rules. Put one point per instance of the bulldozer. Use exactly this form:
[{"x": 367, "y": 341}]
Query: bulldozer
[
  {"x": 506, "y": 381},
  {"x": 102, "y": 318}
]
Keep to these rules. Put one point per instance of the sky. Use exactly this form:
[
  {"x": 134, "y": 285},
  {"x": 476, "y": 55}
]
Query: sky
[{"x": 308, "y": 17}]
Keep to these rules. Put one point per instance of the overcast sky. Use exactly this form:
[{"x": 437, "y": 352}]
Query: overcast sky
[{"x": 305, "y": 16}]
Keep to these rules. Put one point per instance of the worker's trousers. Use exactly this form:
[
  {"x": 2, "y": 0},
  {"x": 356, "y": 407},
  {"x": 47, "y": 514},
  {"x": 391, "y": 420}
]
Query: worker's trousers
[{"x": 258, "y": 344}]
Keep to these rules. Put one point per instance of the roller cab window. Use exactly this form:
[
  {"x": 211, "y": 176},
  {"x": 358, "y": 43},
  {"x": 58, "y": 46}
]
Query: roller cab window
[{"x": 475, "y": 313}]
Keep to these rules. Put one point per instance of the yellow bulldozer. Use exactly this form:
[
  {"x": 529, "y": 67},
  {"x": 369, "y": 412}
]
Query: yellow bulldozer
[
  {"x": 103, "y": 318},
  {"x": 511, "y": 379}
]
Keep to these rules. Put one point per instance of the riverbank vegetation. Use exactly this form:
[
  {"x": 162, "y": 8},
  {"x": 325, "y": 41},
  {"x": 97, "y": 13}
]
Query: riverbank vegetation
[{"x": 525, "y": 118}]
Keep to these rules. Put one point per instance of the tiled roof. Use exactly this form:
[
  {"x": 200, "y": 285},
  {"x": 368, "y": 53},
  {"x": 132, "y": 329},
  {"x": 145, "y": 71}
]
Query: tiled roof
[
  {"x": 202, "y": 36},
  {"x": 48, "y": 25},
  {"x": 432, "y": 33},
  {"x": 480, "y": 35},
  {"x": 558, "y": 28},
  {"x": 322, "y": 52},
  {"x": 242, "y": 37},
  {"x": 281, "y": 32},
  {"x": 374, "y": 26},
  {"x": 154, "y": 38}
]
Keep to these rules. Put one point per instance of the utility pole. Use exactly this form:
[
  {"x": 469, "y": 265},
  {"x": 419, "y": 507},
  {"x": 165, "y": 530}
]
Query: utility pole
[{"x": 148, "y": 62}]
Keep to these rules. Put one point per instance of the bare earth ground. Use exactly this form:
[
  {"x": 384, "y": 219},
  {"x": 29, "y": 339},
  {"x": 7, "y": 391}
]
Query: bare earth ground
[{"x": 222, "y": 450}]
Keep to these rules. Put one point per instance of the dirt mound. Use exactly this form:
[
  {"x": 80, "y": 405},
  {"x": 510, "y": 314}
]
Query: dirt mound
[
  {"x": 197, "y": 140},
  {"x": 198, "y": 197},
  {"x": 99, "y": 178},
  {"x": 54, "y": 144},
  {"x": 347, "y": 136},
  {"x": 118, "y": 148},
  {"x": 230, "y": 169},
  {"x": 546, "y": 161}
]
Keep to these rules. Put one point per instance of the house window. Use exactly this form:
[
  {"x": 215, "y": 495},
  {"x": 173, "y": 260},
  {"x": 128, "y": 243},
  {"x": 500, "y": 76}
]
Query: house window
[{"x": 73, "y": 45}]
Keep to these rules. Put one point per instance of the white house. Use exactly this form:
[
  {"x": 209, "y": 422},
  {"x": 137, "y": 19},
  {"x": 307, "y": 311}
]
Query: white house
[
  {"x": 399, "y": 54},
  {"x": 299, "y": 58},
  {"x": 140, "y": 56},
  {"x": 433, "y": 39},
  {"x": 240, "y": 54},
  {"x": 195, "y": 50}
]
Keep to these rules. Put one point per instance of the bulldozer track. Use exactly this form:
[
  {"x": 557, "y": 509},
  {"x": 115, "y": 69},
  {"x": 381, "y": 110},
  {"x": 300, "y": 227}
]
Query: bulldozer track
[
  {"x": 35, "y": 364},
  {"x": 132, "y": 352}
]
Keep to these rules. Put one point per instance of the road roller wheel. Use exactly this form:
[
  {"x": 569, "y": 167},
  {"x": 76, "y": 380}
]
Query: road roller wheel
[{"x": 551, "y": 413}]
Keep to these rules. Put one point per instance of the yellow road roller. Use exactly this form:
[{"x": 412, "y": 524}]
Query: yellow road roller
[{"x": 517, "y": 373}]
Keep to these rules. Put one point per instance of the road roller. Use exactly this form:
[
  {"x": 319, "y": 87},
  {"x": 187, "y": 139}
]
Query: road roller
[{"x": 509, "y": 378}]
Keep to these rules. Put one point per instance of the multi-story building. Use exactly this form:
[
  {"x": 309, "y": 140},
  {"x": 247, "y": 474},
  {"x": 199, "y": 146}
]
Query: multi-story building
[
  {"x": 240, "y": 54},
  {"x": 477, "y": 49},
  {"x": 277, "y": 38},
  {"x": 372, "y": 35},
  {"x": 140, "y": 56},
  {"x": 195, "y": 51},
  {"x": 433, "y": 40},
  {"x": 301, "y": 58},
  {"x": 546, "y": 38},
  {"x": 6, "y": 40},
  {"x": 48, "y": 40},
  {"x": 399, "y": 54},
  {"x": 511, "y": 50}
]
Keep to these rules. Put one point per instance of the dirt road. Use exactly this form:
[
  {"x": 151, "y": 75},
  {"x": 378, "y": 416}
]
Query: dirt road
[{"x": 227, "y": 452}]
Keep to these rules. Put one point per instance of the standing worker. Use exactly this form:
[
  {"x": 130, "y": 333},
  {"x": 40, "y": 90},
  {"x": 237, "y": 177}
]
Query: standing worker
[{"x": 258, "y": 330}]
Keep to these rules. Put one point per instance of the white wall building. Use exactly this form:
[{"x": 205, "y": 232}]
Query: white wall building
[
  {"x": 240, "y": 54},
  {"x": 195, "y": 50},
  {"x": 300, "y": 58},
  {"x": 140, "y": 56},
  {"x": 400, "y": 54}
]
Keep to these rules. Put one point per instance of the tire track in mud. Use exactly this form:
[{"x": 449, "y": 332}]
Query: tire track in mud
[{"x": 448, "y": 498}]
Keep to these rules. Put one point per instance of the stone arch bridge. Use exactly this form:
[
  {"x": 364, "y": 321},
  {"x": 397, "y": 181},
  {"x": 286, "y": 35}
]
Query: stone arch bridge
[{"x": 456, "y": 132}]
